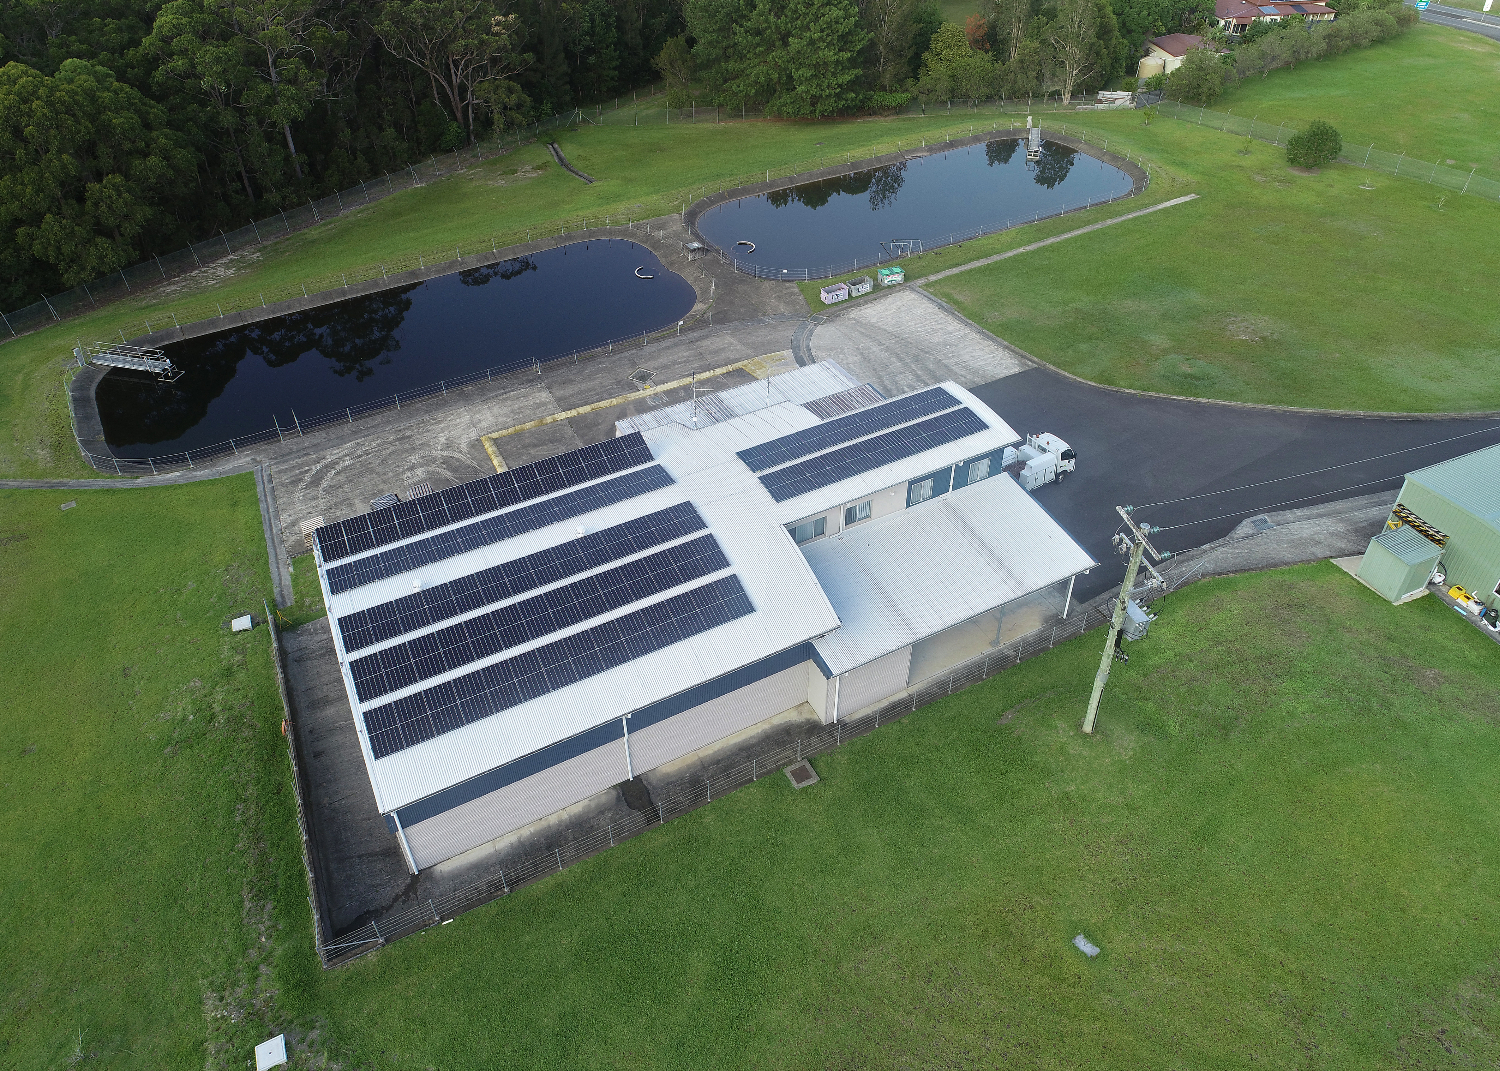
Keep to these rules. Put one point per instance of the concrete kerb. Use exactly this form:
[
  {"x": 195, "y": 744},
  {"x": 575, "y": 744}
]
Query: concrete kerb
[{"x": 1138, "y": 177}]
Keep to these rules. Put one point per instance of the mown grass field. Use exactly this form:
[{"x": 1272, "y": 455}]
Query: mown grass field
[
  {"x": 153, "y": 886},
  {"x": 1433, "y": 93},
  {"x": 1274, "y": 286},
  {"x": 1283, "y": 837}
]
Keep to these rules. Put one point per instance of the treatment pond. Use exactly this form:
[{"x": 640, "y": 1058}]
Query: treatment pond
[
  {"x": 832, "y": 225},
  {"x": 505, "y": 316}
]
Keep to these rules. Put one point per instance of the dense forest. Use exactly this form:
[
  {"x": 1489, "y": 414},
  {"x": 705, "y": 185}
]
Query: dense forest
[{"x": 131, "y": 127}]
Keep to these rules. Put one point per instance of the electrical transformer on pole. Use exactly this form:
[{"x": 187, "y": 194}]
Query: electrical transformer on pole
[{"x": 1138, "y": 546}]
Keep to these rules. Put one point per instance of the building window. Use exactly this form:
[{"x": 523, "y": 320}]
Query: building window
[
  {"x": 979, "y": 470},
  {"x": 807, "y": 531},
  {"x": 921, "y": 491},
  {"x": 1497, "y": 589},
  {"x": 855, "y": 514}
]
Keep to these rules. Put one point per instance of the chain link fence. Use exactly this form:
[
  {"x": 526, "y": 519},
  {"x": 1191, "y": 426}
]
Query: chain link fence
[{"x": 1360, "y": 155}]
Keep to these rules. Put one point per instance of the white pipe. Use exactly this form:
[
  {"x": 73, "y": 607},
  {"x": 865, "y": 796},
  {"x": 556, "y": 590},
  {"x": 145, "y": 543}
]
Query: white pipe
[
  {"x": 629, "y": 768},
  {"x": 405, "y": 847},
  {"x": 1068, "y": 602}
]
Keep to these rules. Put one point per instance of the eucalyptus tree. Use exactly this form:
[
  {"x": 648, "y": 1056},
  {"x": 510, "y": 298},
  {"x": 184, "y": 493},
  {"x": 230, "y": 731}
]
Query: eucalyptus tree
[{"x": 461, "y": 45}]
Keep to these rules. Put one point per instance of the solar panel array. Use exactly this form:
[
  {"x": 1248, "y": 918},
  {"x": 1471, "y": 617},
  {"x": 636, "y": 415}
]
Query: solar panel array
[
  {"x": 364, "y": 628},
  {"x": 491, "y": 530},
  {"x": 841, "y": 430},
  {"x": 856, "y": 458},
  {"x": 406, "y": 519},
  {"x": 432, "y": 654},
  {"x": 453, "y": 704}
]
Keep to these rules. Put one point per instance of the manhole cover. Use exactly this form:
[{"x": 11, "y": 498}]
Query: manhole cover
[
  {"x": 642, "y": 377},
  {"x": 801, "y": 774}
]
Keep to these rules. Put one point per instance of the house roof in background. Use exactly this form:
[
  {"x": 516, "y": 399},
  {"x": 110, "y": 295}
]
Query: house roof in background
[{"x": 1177, "y": 44}]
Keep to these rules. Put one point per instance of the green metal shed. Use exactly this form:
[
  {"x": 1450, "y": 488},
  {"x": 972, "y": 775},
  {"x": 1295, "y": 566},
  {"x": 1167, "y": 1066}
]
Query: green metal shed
[
  {"x": 1454, "y": 505},
  {"x": 1398, "y": 562}
]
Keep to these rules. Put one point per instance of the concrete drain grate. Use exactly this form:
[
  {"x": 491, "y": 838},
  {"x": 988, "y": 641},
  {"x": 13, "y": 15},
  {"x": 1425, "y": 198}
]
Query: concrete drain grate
[
  {"x": 643, "y": 377},
  {"x": 801, "y": 774}
]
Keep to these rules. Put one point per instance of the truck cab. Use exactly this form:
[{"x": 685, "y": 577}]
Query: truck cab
[{"x": 1043, "y": 459}]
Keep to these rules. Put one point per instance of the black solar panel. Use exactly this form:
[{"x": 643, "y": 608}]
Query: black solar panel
[
  {"x": 408, "y": 721},
  {"x": 495, "y": 529},
  {"x": 424, "y": 657},
  {"x": 833, "y": 432},
  {"x": 409, "y": 613},
  {"x": 406, "y": 519},
  {"x": 870, "y": 454}
]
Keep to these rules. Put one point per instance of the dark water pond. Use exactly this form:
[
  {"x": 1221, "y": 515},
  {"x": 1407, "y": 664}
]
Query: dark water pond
[
  {"x": 857, "y": 216},
  {"x": 367, "y": 348}
]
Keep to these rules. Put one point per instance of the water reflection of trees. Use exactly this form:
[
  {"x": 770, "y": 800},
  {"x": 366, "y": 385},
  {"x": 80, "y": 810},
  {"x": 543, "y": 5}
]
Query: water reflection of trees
[
  {"x": 353, "y": 335},
  {"x": 1056, "y": 162},
  {"x": 506, "y": 269},
  {"x": 882, "y": 184},
  {"x": 1000, "y": 152}
]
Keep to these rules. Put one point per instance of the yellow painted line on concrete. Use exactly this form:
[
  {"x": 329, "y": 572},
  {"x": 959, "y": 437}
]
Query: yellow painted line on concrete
[{"x": 759, "y": 367}]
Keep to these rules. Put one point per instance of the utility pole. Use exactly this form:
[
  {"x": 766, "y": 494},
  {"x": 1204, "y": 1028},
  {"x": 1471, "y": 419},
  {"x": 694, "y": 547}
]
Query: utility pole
[{"x": 1139, "y": 545}]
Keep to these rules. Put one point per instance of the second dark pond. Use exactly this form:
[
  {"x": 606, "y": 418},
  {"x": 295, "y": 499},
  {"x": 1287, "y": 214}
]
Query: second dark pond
[{"x": 819, "y": 224}]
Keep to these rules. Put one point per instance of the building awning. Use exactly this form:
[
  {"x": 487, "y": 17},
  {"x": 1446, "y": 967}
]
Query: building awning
[{"x": 907, "y": 576}]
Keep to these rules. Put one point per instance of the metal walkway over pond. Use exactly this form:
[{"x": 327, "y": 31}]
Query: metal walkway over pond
[{"x": 133, "y": 358}]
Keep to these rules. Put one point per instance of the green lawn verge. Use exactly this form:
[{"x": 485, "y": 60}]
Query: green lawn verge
[
  {"x": 150, "y": 841},
  {"x": 1273, "y": 286},
  {"x": 1283, "y": 837},
  {"x": 1430, "y": 93}
]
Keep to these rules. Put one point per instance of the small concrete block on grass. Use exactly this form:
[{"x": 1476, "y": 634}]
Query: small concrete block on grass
[{"x": 801, "y": 774}]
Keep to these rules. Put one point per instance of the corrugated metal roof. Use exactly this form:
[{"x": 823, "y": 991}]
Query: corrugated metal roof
[
  {"x": 798, "y": 385},
  {"x": 1409, "y": 545},
  {"x": 979, "y": 547},
  {"x": 906, "y": 576},
  {"x": 1470, "y": 482}
]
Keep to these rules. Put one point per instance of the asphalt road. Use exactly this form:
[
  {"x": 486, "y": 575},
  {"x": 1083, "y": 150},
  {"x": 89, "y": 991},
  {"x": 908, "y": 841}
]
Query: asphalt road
[
  {"x": 1459, "y": 19},
  {"x": 1135, "y": 450}
]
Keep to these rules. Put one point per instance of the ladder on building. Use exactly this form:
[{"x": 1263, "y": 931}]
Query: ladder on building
[
  {"x": 1033, "y": 140},
  {"x": 133, "y": 358}
]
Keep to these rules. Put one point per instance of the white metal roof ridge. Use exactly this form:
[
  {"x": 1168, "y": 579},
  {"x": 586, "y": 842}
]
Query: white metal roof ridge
[{"x": 978, "y": 547}]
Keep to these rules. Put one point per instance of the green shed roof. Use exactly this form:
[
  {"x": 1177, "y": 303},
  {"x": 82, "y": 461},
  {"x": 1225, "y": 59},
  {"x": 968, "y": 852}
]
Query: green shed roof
[
  {"x": 1409, "y": 545},
  {"x": 1471, "y": 482}
]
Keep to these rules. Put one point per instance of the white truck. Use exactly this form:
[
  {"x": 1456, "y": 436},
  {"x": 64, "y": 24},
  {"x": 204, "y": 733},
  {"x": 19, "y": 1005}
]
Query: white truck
[{"x": 1043, "y": 458}]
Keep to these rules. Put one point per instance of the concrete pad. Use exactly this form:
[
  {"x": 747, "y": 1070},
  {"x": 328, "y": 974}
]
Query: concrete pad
[{"x": 906, "y": 341}]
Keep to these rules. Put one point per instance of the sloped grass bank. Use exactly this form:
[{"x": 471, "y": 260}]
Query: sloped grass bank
[{"x": 153, "y": 885}]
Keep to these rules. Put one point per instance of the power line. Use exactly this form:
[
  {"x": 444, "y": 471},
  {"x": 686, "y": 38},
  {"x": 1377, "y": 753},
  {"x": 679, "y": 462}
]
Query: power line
[
  {"x": 1278, "y": 505},
  {"x": 1314, "y": 472}
]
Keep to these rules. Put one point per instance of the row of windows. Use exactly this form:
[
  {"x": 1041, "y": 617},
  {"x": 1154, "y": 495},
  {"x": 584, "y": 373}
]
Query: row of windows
[
  {"x": 816, "y": 528},
  {"x": 918, "y": 491}
]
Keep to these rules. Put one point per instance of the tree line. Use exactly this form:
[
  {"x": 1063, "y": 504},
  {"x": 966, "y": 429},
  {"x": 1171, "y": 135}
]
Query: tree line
[
  {"x": 1266, "y": 46},
  {"x": 130, "y": 127}
]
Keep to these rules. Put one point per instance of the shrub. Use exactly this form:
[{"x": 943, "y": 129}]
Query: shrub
[
  {"x": 887, "y": 102},
  {"x": 1200, "y": 79},
  {"x": 1157, "y": 83},
  {"x": 1315, "y": 146}
]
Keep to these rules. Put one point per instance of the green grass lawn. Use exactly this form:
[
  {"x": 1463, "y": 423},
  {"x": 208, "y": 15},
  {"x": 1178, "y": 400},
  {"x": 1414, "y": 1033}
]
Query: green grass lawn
[
  {"x": 1283, "y": 836},
  {"x": 150, "y": 842},
  {"x": 1433, "y": 93},
  {"x": 1275, "y": 287}
]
